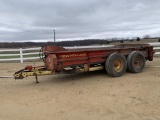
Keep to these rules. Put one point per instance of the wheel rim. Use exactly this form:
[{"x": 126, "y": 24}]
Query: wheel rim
[
  {"x": 138, "y": 62},
  {"x": 118, "y": 65}
]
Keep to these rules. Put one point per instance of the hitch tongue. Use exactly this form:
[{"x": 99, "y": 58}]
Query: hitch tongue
[
  {"x": 23, "y": 72},
  {"x": 32, "y": 71},
  {"x": 18, "y": 74}
]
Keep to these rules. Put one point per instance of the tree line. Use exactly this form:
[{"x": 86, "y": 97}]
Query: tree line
[
  {"x": 61, "y": 43},
  {"x": 64, "y": 43}
]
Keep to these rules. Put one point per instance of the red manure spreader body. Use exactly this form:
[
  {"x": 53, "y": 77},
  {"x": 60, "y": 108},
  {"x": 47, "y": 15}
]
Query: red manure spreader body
[{"x": 114, "y": 59}]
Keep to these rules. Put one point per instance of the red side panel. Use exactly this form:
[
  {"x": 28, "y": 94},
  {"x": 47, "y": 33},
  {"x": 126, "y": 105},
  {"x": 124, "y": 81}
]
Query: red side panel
[
  {"x": 51, "y": 62},
  {"x": 150, "y": 53},
  {"x": 48, "y": 49}
]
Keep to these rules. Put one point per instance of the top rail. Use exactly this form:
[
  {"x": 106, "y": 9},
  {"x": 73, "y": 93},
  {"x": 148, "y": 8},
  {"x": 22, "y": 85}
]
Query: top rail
[{"x": 9, "y": 50}]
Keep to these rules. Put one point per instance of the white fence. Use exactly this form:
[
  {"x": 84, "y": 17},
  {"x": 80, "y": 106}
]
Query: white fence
[
  {"x": 19, "y": 52},
  {"x": 22, "y": 53},
  {"x": 156, "y": 46}
]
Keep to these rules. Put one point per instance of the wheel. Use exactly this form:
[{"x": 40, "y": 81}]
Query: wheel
[
  {"x": 135, "y": 62},
  {"x": 116, "y": 65}
]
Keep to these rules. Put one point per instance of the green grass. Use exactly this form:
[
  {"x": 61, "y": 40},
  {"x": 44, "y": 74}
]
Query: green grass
[
  {"x": 27, "y": 56},
  {"x": 8, "y": 57},
  {"x": 24, "y": 56},
  {"x": 157, "y": 50}
]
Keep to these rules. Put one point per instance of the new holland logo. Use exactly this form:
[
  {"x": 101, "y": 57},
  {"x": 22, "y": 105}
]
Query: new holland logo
[{"x": 73, "y": 55}]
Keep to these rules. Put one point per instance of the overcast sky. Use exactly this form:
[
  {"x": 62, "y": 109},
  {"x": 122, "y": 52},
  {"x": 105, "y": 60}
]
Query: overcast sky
[{"x": 34, "y": 20}]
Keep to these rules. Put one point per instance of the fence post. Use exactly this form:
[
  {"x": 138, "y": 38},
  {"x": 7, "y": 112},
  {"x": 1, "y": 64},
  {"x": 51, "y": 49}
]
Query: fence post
[{"x": 21, "y": 55}]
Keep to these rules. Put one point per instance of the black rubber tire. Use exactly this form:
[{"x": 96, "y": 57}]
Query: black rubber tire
[
  {"x": 131, "y": 64},
  {"x": 128, "y": 61},
  {"x": 109, "y": 65}
]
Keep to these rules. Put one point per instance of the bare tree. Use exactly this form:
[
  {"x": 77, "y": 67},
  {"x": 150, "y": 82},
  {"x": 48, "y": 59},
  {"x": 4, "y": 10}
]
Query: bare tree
[{"x": 146, "y": 36}]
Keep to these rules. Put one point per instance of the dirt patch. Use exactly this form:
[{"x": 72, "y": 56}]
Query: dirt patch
[{"x": 84, "y": 96}]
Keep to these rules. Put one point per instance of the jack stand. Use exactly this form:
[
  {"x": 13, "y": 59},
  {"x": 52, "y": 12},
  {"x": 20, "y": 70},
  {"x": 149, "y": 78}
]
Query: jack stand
[
  {"x": 35, "y": 73},
  {"x": 36, "y": 78}
]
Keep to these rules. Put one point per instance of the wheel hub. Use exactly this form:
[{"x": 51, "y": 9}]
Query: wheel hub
[
  {"x": 118, "y": 65},
  {"x": 138, "y": 62}
]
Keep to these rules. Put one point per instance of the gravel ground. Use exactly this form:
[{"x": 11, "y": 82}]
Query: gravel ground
[{"x": 83, "y": 96}]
